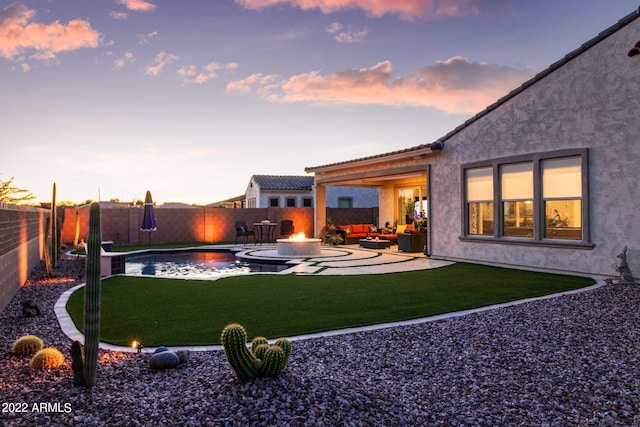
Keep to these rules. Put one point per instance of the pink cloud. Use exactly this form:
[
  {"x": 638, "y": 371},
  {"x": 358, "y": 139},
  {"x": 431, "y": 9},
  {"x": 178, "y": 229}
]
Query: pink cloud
[
  {"x": 407, "y": 9},
  {"x": 191, "y": 75},
  {"x": 137, "y": 5},
  {"x": 121, "y": 62},
  {"x": 347, "y": 35},
  {"x": 18, "y": 34},
  {"x": 162, "y": 60},
  {"x": 456, "y": 86}
]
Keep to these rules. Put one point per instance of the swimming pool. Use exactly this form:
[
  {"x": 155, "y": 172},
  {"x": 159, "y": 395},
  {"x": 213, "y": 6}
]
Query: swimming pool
[{"x": 193, "y": 265}]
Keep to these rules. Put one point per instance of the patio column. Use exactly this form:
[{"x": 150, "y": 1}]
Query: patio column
[{"x": 320, "y": 202}]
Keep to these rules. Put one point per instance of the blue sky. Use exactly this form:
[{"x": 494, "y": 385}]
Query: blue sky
[{"x": 188, "y": 99}]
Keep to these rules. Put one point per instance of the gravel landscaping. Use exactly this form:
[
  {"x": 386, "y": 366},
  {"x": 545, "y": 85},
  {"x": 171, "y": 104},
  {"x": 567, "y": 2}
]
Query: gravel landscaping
[{"x": 566, "y": 361}]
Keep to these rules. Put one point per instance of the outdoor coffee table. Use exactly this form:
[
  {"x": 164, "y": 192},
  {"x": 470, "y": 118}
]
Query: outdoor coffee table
[{"x": 375, "y": 244}]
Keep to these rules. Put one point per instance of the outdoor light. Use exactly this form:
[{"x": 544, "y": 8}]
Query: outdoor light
[{"x": 138, "y": 345}]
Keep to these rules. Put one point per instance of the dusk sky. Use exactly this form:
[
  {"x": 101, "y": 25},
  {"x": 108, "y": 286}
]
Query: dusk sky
[{"x": 188, "y": 98}]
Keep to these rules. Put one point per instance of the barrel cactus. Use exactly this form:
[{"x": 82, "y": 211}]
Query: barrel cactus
[
  {"x": 47, "y": 358},
  {"x": 263, "y": 360},
  {"x": 27, "y": 345}
]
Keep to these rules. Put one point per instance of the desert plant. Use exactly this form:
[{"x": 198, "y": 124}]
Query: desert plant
[
  {"x": 47, "y": 358},
  {"x": 77, "y": 364},
  {"x": 285, "y": 345},
  {"x": 263, "y": 360},
  {"x": 92, "y": 297},
  {"x": 26, "y": 345},
  {"x": 54, "y": 228},
  {"x": 47, "y": 248},
  {"x": 258, "y": 341},
  {"x": 76, "y": 236}
]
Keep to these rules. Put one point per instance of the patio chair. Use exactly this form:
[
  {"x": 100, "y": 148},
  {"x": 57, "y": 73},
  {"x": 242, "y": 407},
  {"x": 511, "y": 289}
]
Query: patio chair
[
  {"x": 286, "y": 227},
  {"x": 243, "y": 231}
]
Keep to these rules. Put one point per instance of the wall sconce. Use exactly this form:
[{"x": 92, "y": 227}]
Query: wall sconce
[
  {"x": 138, "y": 345},
  {"x": 635, "y": 50},
  {"x": 436, "y": 146}
]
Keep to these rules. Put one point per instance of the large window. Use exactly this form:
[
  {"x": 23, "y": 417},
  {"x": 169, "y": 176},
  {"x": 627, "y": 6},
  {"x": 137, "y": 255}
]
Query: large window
[
  {"x": 479, "y": 205},
  {"x": 517, "y": 199},
  {"x": 562, "y": 198},
  {"x": 540, "y": 198}
]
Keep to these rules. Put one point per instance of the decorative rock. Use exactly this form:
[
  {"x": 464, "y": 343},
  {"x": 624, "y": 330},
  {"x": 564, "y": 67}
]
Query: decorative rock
[
  {"x": 160, "y": 349},
  {"x": 164, "y": 360},
  {"x": 183, "y": 355}
]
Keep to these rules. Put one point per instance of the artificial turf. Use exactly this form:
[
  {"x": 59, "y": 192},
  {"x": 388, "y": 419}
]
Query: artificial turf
[{"x": 175, "y": 312}]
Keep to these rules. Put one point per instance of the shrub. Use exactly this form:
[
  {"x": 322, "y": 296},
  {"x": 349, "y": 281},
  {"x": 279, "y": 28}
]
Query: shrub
[
  {"x": 47, "y": 358},
  {"x": 28, "y": 344}
]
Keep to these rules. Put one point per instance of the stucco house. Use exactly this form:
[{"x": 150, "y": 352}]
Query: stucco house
[
  {"x": 546, "y": 177},
  {"x": 287, "y": 191}
]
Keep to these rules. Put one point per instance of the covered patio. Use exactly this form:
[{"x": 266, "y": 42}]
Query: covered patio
[{"x": 402, "y": 177}]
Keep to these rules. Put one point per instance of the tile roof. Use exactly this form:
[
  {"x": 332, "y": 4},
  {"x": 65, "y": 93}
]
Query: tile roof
[
  {"x": 283, "y": 182},
  {"x": 568, "y": 57}
]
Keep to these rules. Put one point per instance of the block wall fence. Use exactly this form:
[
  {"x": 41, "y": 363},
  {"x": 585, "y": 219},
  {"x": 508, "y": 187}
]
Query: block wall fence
[
  {"x": 213, "y": 225},
  {"x": 22, "y": 231}
]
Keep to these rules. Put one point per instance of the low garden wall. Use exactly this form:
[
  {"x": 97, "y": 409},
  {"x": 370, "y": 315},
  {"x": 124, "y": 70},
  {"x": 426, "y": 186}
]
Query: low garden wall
[
  {"x": 21, "y": 246},
  {"x": 198, "y": 224}
]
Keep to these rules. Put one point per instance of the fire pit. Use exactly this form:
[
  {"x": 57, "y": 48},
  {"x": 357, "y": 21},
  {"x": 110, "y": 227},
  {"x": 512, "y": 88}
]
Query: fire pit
[{"x": 298, "y": 245}]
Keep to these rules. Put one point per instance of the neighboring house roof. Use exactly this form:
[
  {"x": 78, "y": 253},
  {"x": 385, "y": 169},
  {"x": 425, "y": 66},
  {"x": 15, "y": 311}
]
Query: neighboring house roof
[
  {"x": 109, "y": 205},
  {"x": 239, "y": 198},
  {"x": 283, "y": 182},
  {"x": 541, "y": 75}
]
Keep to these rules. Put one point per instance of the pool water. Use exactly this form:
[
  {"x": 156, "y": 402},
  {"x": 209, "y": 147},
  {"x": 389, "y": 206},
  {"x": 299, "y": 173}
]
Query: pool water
[{"x": 193, "y": 265}]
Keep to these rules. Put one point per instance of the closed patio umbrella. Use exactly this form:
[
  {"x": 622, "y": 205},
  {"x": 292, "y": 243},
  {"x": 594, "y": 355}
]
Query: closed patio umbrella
[{"x": 148, "y": 216}]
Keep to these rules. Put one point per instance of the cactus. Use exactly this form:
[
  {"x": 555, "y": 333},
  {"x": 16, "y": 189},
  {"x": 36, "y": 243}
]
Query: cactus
[
  {"x": 77, "y": 364},
  {"x": 92, "y": 297},
  {"x": 27, "y": 345},
  {"x": 242, "y": 361},
  {"x": 76, "y": 236},
  {"x": 274, "y": 362},
  {"x": 47, "y": 358},
  {"x": 256, "y": 342},
  {"x": 54, "y": 229},
  {"x": 285, "y": 345},
  {"x": 260, "y": 351},
  {"x": 47, "y": 248},
  {"x": 263, "y": 360}
]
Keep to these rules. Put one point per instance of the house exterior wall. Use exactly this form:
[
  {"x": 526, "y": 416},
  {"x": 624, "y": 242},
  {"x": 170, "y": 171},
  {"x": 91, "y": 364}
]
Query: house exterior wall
[
  {"x": 361, "y": 197},
  {"x": 590, "y": 102}
]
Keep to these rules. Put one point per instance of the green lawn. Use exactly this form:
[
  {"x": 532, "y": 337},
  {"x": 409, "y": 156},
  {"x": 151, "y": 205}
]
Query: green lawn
[{"x": 189, "y": 312}]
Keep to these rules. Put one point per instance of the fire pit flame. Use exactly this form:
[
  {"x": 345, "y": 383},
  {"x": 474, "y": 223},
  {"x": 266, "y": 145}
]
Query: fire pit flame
[
  {"x": 298, "y": 245},
  {"x": 298, "y": 237}
]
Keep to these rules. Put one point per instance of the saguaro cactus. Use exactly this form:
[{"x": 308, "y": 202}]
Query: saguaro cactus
[
  {"x": 54, "y": 229},
  {"x": 92, "y": 297},
  {"x": 47, "y": 248},
  {"x": 77, "y": 364}
]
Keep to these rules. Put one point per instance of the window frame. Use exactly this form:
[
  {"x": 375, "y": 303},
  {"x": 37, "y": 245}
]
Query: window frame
[
  {"x": 539, "y": 238},
  {"x": 274, "y": 202},
  {"x": 290, "y": 202},
  {"x": 347, "y": 199}
]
